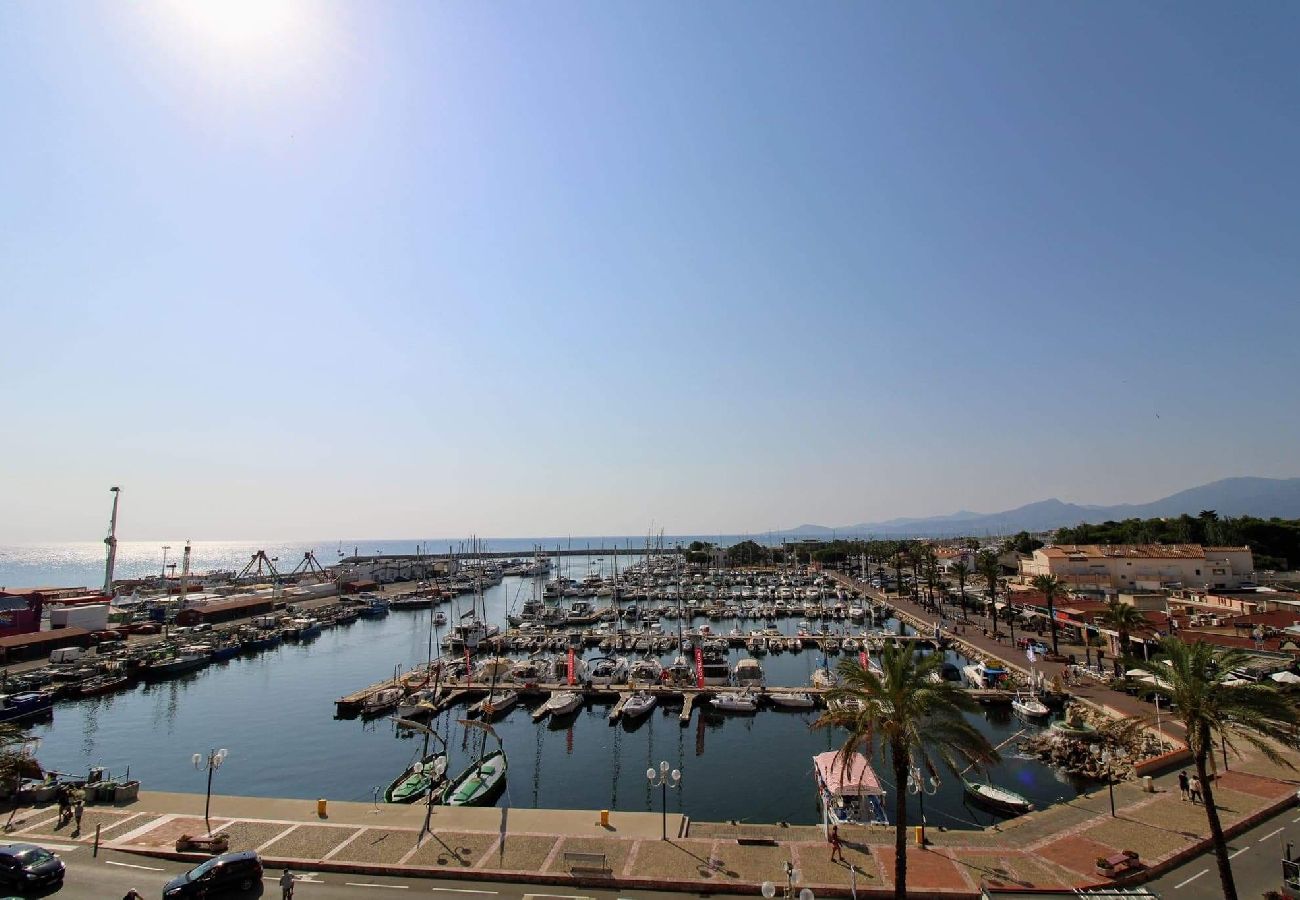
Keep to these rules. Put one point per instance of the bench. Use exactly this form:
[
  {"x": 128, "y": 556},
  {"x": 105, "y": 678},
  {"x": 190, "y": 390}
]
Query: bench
[
  {"x": 586, "y": 862},
  {"x": 1118, "y": 864}
]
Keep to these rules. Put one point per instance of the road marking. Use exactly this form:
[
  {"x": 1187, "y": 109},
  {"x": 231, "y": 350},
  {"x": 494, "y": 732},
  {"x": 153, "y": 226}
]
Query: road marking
[
  {"x": 394, "y": 887},
  {"x": 67, "y": 847},
  {"x": 297, "y": 879},
  {"x": 1237, "y": 853},
  {"x": 462, "y": 891},
  {"x": 1181, "y": 885},
  {"x": 1271, "y": 833},
  {"x": 132, "y": 866}
]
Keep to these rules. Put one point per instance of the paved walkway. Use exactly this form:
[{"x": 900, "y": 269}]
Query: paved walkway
[{"x": 1053, "y": 848}]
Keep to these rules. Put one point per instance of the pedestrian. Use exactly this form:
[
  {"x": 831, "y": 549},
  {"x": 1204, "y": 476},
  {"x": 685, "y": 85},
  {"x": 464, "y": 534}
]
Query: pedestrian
[
  {"x": 837, "y": 845},
  {"x": 133, "y": 894},
  {"x": 1195, "y": 790},
  {"x": 77, "y": 806},
  {"x": 286, "y": 885},
  {"x": 1182, "y": 783},
  {"x": 65, "y": 805}
]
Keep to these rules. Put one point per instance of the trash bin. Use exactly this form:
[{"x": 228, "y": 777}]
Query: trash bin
[{"x": 322, "y": 807}]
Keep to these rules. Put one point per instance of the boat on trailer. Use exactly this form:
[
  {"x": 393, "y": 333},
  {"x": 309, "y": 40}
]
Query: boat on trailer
[{"x": 849, "y": 790}]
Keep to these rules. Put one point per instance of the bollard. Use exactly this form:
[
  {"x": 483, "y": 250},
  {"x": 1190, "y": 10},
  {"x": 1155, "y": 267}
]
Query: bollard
[
  {"x": 604, "y": 818},
  {"x": 95, "y": 852},
  {"x": 920, "y": 835},
  {"x": 321, "y": 808},
  {"x": 1147, "y": 785}
]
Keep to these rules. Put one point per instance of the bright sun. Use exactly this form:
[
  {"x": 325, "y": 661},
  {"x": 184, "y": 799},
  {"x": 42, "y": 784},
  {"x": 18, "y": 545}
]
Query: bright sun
[{"x": 240, "y": 24}]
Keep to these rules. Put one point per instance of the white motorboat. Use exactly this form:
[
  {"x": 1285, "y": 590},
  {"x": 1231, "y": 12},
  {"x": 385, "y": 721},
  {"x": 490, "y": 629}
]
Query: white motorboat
[
  {"x": 638, "y": 705},
  {"x": 999, "y": 798},
  {"x": 740, "y": 701},
  {"x": 792, "y": 700},
  {"x": 823, "y": 678},
  {"x": 497, "y": 703},
  {"x": 980, "y": 675},
  {"x": 646, "y": 671},
  {"x": 748, "y": 673},
  {"x": 849, "y": 791},
  {"x": 1029, "y": 705},
  {"x": 561, "y": 702},
  {"x": 608, "y": 670}
]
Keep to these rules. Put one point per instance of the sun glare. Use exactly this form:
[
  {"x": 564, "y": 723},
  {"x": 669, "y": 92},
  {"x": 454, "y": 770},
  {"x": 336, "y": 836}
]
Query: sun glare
[{"x": 240, "y": 24}]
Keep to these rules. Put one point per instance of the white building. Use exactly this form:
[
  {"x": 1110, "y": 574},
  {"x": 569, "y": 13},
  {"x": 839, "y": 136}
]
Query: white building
[{"x": 1130, "y": 568}]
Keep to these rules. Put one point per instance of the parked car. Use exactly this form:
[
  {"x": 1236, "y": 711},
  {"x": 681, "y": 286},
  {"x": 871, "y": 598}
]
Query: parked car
[
  {"x": 25, "y": 866},
  {"x": 229, "y": 873}
]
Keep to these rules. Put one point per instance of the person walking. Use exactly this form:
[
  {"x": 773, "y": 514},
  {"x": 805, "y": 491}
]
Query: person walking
[
  {"x": 837, "y": 845},
  {"x": 133, "y": 894},
  {"x": 286, "y": 885},
  {"x": 1182, "y": 783},
  {"x": 65, "y": 804},
  {"x": 78, "y": 806},
  {"x": 1195, "y": 790}
]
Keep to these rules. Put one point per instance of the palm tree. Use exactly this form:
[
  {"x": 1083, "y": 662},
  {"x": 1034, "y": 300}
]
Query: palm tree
[
  {"x": 987, "y": 565},
  {"x": 1213, "y": 712},
  {"x": 914, "y": 558},
  {"x": 961, "y": 570},
  {"x": 898, "y": 562},
  {"x": 1124, "y": 618},
  {"x": 918, "y": 720},
  {"x": 930, "y": 565},
  {"x": 1050, "y": 585}
]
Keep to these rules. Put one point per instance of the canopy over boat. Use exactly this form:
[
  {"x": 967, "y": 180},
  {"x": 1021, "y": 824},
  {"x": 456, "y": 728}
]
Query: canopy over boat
[{"x": 854, "y": 778}]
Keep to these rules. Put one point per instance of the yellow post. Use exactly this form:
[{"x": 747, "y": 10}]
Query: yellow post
[
  {"x": 321, "y": 808},
  {"x": 604, "y": 818},
  {"x": 920, "y": 835}
]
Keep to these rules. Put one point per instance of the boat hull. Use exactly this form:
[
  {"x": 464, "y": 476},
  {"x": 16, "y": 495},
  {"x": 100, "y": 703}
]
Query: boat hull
[{"x": 479, "y": 785}]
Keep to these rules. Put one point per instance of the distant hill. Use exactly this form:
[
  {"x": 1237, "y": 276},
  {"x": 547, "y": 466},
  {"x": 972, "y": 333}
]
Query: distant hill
[{"x": 1263, "y": 497}]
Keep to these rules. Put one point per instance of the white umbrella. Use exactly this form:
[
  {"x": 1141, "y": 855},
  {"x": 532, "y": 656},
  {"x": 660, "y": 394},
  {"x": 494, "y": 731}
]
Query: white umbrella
[
  {"x": 1285, "y": 677},
  {"x": 1136, "y": 673}
]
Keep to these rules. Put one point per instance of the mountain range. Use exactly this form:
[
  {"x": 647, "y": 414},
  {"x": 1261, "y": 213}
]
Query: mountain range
[{"x": 1263, "y": 497}]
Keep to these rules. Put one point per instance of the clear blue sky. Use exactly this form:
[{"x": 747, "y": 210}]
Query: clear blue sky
[{"x": 504, "y": 268}]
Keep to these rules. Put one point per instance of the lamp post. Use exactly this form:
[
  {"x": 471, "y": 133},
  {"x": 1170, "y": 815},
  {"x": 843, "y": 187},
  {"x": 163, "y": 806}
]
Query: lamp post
[
  {"x": 1103, "y": 754},
  {"x": 436, "y": 769},
  {"x": 212, "y": 762},
  {"x": 920, "y": 786},
  {"x": 660, "y": 778},
  {"x": 792, "y": 878}
]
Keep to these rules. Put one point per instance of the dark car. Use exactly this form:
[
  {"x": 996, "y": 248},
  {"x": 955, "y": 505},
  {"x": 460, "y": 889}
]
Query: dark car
[
  {"x": 29, "y": 866},
  {"x": 227, "y": 873}
]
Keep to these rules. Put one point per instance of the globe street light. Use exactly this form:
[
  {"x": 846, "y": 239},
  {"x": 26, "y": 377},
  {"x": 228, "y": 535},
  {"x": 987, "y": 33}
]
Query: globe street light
[
  {"x": 213, "y": 762},
  {"x": 792, "y": 877},
  {"x": 1103, "y": 755},
  {"x": 660, "y": 778},
  {"x": 435, "y": 770},
  {"x": 920, "y": 786}
]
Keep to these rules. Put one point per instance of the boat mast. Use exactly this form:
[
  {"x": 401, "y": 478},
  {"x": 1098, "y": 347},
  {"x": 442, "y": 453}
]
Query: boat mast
[{"x": 111, "y": 543}]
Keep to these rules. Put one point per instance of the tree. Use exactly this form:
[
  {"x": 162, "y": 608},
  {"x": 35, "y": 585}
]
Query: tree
[
  {"x": 930, "y": 566},
  {"x": 897, "y": 560},
  {"x": 1022, "y": 543},
  {"x": 1212, "y": 711},
  {"x": 915, "y": 556},
  {"x": 1124, "y": 618},
  {"x": 962, "y": 571},
  {"x": 1050, "y": 585},
  {"x": 16, "y": 760},
  {"x": 988, "y": 566},
  {"x": 917, "y": 719}
]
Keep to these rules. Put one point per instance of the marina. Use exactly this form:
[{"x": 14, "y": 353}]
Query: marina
[{"x": 586, "y": 753}]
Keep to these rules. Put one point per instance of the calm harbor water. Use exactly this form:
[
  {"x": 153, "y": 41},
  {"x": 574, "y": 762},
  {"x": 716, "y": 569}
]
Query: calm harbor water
[{"x": 274, "y": 712}]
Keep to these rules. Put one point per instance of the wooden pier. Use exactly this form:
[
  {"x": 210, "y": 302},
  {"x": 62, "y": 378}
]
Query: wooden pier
[{"x": 462, "y": 691}]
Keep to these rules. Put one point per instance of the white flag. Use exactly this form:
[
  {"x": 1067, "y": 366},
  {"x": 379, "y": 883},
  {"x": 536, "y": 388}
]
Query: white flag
[{"x": 1030, "y": 653}]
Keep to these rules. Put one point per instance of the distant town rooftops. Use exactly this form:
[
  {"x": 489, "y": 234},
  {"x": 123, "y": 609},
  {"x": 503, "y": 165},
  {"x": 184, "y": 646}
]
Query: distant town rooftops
[{"x": 1136, "y": 551}]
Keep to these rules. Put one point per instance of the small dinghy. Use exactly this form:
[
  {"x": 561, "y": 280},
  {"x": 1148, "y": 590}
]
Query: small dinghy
[
  {"x": 1030, "y": 706},
  {"x": 638, "y": 705},
  {"x": 996, "y": 798}
]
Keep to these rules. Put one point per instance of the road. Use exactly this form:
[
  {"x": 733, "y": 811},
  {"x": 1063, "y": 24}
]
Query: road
[
  {"x": 1256, "y": 863},
  {"x": 112, "y": 874}
]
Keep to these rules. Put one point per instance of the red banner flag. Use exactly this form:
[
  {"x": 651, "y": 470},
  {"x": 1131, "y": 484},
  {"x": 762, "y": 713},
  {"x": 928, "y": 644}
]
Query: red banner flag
[
  {"x": 699, "y": 667},
  {"x": 570, "y": 665},
  {"x": 862, "y": 659}
]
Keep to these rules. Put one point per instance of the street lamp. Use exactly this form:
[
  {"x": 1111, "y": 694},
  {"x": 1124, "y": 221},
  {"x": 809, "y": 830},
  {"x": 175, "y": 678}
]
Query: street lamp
[
  {"x": 660, "y": 778},
  {"x": 792, "y": 877},
  {"x": 213, "y": 762},
  {"x": 1103, "y": 754},
  {"x": 436, "y": 770},
  {"x": 921, "y": 786}
]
